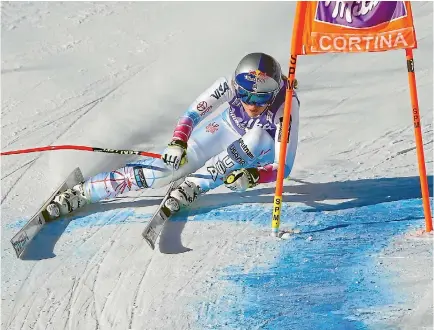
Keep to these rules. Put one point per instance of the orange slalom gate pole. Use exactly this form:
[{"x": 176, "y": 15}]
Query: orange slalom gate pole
[
  {"x": 418, "y": 137},
  {"x": 300, "y": 14}
]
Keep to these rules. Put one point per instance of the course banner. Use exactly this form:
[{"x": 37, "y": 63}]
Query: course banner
[{"x": 357, "y": 26}]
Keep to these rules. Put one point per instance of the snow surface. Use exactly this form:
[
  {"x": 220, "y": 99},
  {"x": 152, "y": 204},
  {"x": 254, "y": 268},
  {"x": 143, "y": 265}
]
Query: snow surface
[{"x": 117, "y": 75}]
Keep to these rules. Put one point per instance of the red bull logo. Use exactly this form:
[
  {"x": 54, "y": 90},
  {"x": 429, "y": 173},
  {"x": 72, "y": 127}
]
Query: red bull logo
[{"x": 258, "y": 74}]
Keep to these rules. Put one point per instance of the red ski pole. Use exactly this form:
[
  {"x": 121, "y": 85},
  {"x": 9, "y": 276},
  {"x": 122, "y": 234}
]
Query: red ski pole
[{"x": 83, "y": 148}]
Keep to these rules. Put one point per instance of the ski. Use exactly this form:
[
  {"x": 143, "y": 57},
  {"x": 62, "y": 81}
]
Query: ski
[
  {"x": 155, "y": 226},
  {"x": 23, "y": 238}
]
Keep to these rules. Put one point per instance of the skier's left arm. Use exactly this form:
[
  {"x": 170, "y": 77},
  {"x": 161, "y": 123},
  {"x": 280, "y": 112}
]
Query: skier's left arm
[
  {"x": 240, "y": 180},
  {"x": 268, "y": 173}
]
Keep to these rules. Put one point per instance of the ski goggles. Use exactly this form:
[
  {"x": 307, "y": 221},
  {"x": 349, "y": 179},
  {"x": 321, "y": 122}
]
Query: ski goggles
[{"x": 251, "y": 98}]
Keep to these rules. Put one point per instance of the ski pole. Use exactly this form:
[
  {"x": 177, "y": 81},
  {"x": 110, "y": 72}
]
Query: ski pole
[{"x": 83, "y": 148}]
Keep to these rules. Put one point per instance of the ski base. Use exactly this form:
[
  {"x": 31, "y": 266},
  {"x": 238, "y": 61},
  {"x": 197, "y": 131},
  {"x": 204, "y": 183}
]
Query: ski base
[
  {"x": 155, "y": 226},
  {"x": 23, "y": 238}
]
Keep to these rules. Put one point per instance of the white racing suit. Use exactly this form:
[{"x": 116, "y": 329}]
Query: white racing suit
[{"x": 230, "y": 141}]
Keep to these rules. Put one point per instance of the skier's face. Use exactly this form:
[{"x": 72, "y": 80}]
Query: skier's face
[{"x": 253, "y": 110}]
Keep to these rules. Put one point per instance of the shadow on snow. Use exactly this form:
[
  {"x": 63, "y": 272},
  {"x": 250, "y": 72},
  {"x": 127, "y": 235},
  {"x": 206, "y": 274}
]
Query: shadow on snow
[{"x": 355, "y": 193}]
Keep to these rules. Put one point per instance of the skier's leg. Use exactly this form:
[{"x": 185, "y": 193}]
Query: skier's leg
[
  {"x": 245, "y": 152},
  {"x": 205, "y": 142},
  {"x": 208, "y": 140}
]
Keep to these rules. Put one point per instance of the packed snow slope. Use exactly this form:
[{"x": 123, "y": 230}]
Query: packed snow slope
[{"x": 117, "y": 75}]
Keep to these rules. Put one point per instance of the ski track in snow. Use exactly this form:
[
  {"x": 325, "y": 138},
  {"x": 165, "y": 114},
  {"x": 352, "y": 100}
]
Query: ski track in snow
[{"x": 118, "y": 75}]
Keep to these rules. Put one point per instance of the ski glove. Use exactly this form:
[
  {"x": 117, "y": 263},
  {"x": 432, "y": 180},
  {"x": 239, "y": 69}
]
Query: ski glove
[
  {"x": 175, "y": 155},
  {"x": 241, "y": 180}
]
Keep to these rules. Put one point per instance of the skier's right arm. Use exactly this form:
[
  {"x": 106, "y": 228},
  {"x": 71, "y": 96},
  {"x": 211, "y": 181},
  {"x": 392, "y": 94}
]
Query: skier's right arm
[{"x": 209, "y": 101}]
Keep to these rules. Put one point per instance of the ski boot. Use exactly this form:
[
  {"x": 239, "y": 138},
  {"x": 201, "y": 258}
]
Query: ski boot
[
  {"x": 67, "y": 202},
  {"x": 184, "y": 195}
]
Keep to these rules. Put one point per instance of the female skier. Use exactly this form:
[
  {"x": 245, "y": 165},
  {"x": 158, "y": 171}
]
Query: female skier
[{"x": 239, "y": 147}]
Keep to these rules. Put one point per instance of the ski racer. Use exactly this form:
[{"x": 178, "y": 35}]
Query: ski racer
[{"x": 239, "y": 147}]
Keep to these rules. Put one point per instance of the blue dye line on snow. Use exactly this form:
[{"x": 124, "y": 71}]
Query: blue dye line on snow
[
  {"x": 322, "y": 283},
  {"x": 111, "y": 217},
  {"x": 97, "y": 219}
]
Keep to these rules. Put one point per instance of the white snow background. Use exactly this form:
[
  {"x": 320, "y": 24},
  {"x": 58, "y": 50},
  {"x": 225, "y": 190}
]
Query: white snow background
[{"x": 117, "y": 75}]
